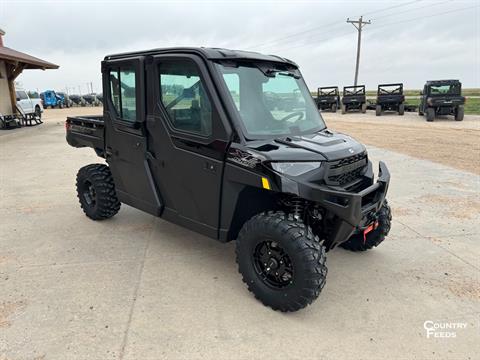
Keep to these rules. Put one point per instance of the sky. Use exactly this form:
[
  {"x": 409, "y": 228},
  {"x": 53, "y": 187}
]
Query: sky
[{"x": 407, "y": 41}]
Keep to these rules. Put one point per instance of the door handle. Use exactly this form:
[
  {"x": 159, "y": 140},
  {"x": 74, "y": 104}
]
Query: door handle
[{"x": 210, "y": 167}]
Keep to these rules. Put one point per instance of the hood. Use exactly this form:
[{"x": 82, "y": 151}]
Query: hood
[{"x": 325, "y": 145}]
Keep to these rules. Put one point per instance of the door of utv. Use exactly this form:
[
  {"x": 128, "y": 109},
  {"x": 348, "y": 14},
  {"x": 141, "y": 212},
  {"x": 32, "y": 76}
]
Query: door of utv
[
  {"x": 188, "y": 138},
  {"x": 125, "y": 134}
]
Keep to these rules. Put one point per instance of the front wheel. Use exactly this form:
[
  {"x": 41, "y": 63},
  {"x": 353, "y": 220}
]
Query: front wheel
[
  {"x": 281, "y": 261},
  {"x": 358, "y": 242},
  {"x": 96, "y": 192},
  {"x": 38, "y": 112}
]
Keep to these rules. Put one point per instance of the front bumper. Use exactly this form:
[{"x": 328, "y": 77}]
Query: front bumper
[{"x": 354, "y": 211}]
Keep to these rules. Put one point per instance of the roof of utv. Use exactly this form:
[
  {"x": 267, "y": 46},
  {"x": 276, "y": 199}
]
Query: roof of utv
[
  {"x": 207, "y": 53},
  {"x": 440, "y": 82}
]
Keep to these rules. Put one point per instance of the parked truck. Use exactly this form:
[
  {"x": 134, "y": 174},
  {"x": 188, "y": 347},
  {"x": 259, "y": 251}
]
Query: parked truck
[
  {"x": 28, "y": 106},
  {"x": 187, "y": 136}
]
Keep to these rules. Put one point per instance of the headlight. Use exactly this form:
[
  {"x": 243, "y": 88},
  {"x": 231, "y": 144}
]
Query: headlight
[{"x": 295, "y": 168}]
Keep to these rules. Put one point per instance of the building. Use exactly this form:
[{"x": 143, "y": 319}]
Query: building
[{"x": 12, "y": 63}]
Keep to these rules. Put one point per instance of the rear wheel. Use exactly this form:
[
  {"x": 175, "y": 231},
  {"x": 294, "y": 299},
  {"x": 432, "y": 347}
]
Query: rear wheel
[
  {"x": 343, "y": 107},
  {"x": 358, "y": 243},
  {"x": 401, "y": 109},
  {"x": 364, "y": 108},
  {"x": 378, "y": 110},
  {"x": 430, "y": 114},
  {"x": 281, "y": 261},
  {"x": 96, "y": 192},
  {"x": 459, "y": 113},
  {"x": 334, "y": 107}
]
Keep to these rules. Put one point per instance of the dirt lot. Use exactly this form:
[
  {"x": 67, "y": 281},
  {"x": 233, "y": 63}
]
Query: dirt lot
[
  {"x": 137, "y": 287},
  {"x": 445, "y": 141}
]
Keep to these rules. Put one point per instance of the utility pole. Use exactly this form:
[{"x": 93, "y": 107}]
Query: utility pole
[{"x": 359, "y": 24}]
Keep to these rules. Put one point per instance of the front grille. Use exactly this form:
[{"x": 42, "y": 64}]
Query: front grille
[
  {"x": 346, "y": 170},
  {"x": 347, "y": 177}
]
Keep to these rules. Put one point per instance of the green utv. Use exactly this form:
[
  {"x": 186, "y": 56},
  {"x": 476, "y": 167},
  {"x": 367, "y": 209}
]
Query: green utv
[{"x": 230, "y": 144}]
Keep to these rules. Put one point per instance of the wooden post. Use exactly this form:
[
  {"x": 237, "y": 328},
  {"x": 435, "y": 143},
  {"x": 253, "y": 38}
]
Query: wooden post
[{"x": 13, "y": 70}]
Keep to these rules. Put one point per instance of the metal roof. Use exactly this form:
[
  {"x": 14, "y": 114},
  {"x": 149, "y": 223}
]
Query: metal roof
[
  {"x": 437, "y": 82},
  {"x": 208, "y": 53},
  {"x": 31, "y": 62}
]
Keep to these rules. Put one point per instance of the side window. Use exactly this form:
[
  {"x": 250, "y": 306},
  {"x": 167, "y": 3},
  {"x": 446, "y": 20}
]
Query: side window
[
  {"x": 183, "y": 95},
  {"x": 123, "y": 94},
  {"x": 22, "y": 95}
]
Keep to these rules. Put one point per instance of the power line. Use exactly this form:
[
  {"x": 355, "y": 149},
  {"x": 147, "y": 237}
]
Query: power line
[
  {"x": 409, "y": 10},
  {"x": 391, "y": 7},
  {"x": 426, "y": 16},
  {"x": 316, "y": 28},
  {"x": 297, "y": 34}
]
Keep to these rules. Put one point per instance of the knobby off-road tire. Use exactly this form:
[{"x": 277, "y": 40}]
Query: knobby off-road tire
[
  {"x": 459, "y": 113},
  {"x": 302, "y": 272},
  {"x": 375, "y": 237},
  {"x": 334, "y": 108},
  {"x": 378, "y": 110},
  {"x": 96, "y": 192},
  {"x": 401, "y": 109},
  {"x": 430, "y": 114},
  {"x": 364, "y": 108},
  {"x": 343, "y": 107}
]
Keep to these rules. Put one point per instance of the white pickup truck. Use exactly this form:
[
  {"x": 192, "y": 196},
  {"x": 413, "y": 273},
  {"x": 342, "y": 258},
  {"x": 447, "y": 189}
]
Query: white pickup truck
[{"x": 29, "y": 105}]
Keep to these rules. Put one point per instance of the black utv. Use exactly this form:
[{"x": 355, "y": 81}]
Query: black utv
[
  {"x": 354, "y": 98},
  {"x": 187, "y": 136},
  {"x": 328, "y": 98},
  {"x": 390, "y": 98},
  {"x": 442, "y": 97}
]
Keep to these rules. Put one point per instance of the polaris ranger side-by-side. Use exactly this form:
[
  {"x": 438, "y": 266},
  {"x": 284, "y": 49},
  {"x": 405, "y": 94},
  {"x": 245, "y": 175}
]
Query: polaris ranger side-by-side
[
  {"x": 442, "y": 97},
  {"x": 328, "y": 98},
  {"x": 390, "y": 97},
  {"x": 188, "y": 136},
  {"x": 354, "y": 98}
]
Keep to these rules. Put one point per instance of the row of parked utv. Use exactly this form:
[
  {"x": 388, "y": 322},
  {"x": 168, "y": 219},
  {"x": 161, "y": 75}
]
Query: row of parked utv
[
  {"x": 439, "y": 97},
  {"x": 53, "y": 99}
]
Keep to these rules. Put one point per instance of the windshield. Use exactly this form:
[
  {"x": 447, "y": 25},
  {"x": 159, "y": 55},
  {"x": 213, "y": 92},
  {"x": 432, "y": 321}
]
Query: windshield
[
  {"x": 275, "y": 105},
  {"x": 452, "y": 89}
]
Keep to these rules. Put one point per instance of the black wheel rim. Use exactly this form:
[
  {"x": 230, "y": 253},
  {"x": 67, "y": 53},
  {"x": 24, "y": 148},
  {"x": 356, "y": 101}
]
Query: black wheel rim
[
  {"x": 272, "y": 264},
  {"x": 89, "y": 194}
]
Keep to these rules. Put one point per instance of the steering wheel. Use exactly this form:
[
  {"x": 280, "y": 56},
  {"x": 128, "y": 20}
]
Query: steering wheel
[{"x": 299, "y": 114}]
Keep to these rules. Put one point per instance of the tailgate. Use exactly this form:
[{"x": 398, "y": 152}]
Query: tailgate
[{"x": 86, "y": 131}]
